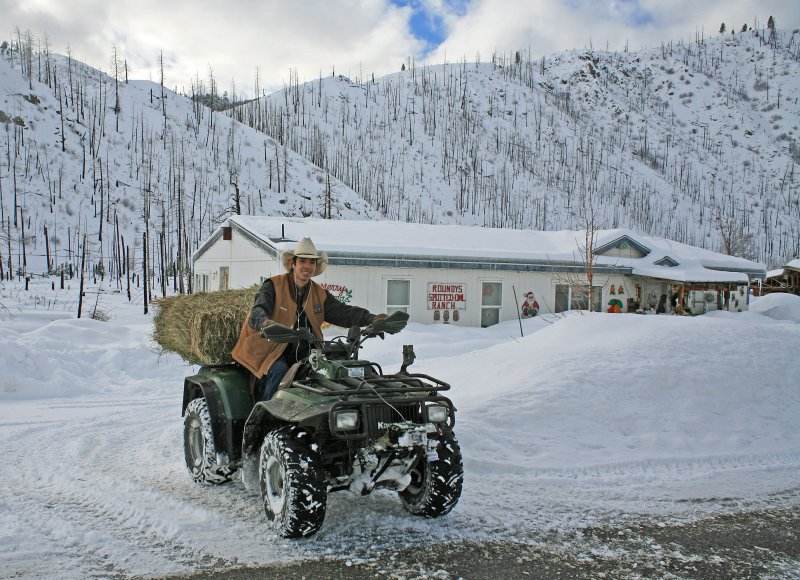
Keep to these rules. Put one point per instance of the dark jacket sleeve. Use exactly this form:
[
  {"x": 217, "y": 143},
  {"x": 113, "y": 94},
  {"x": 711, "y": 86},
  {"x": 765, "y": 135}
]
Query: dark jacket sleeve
[
  {"x": 345, "y": 315},
  {"x": 263, "y": 305}
]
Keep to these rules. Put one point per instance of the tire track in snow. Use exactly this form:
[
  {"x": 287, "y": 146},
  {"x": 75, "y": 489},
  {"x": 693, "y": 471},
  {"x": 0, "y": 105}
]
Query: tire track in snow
[
  {"x": 110, "y": 505},
  {"x": 677, "y": 468},
  {"x": 92, "y": 511},
  {"x": 100, "y": 539}
]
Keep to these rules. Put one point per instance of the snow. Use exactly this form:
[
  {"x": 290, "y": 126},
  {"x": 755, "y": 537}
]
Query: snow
[
  {"x": 778, "y": 306},
  {"x": 586, "y": 419},
  {"x": 395, "y": 240}
]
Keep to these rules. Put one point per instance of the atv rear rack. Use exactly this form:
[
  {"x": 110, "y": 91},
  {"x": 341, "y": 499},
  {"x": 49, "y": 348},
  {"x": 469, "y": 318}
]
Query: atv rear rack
[{"x": 385, "y": 385}]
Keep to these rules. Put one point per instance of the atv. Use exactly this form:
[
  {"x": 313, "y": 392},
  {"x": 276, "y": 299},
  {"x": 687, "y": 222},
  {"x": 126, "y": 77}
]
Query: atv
[{"x": 336, "y": 423}]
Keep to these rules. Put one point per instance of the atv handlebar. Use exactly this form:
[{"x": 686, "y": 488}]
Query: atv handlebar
[{"x": 281, "y": 333}]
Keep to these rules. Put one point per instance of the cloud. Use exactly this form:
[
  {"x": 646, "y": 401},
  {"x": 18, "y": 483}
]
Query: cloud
[
  {"x": 547, "y": 26},
  {"x": 233, "y": 39},
  {"x": 355, "y": 37}
]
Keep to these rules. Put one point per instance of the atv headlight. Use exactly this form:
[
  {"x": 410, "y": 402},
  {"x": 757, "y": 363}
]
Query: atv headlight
[
  {"x": 437, "y": 413},
  {"x": 346, "y": 420}
]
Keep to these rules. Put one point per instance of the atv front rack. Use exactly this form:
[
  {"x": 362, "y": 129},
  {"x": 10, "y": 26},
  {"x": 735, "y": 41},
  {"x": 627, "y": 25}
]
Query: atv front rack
[{"x": 385, "y": 385}]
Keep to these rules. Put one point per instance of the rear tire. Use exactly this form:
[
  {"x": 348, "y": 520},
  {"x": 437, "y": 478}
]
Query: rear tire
[
  {"x": 293, "y": 487},
  {"x": 202, "y": 460},
  {"x": 435, "y": 485}
]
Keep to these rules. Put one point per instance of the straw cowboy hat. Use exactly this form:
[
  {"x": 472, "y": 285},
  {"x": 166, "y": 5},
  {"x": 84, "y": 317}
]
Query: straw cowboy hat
[{"x": 305, "y": 249}]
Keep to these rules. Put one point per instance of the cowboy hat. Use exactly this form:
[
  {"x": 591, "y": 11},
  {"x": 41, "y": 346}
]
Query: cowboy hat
[{"x": 305, "y": 249}]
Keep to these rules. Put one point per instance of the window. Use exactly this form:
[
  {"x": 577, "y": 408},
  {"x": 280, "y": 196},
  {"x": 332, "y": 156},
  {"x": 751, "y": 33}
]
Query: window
[
  {"x": 597, "y": 298},
  {"x": 398, "y": 296},
  {"x": 562, "y": 298},
  {"x": 577, "y": 298},
  {"x": 223, "y": 277},
  {"x": 201, "y": 282},
  {"x": 491, "y": 301}
]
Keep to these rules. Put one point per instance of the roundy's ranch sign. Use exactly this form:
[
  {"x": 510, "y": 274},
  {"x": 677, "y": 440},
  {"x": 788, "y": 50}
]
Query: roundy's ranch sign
[{"x": 446, "y": 296}]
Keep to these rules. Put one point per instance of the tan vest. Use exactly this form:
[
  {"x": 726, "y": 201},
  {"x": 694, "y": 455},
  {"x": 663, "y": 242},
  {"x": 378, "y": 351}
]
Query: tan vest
[{"x": 256, "y": 353}]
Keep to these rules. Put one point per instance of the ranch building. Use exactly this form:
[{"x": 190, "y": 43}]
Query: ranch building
[{"x": 474, "y": 276}]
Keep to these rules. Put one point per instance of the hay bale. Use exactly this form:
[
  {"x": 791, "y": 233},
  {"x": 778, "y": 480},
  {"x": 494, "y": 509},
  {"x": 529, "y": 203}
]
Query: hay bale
[{"x": 202, "y": 328}]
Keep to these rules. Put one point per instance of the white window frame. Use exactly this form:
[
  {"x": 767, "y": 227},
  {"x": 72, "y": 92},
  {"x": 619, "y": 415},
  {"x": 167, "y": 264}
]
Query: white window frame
[
  {"x": 595, "y": 298},
  {"x": 485, "y": 307},
  {"x": 394, "y": 307}
]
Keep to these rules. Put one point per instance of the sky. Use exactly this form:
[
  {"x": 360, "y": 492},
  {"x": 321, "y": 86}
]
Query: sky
[
  {"x": 249, "y": 46},
  {"x": 586, "y": 420}
]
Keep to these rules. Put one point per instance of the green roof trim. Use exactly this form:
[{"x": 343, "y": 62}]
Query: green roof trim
[
  {"x": 622, "y": 243},
  {"x": 666, "y": 261}
]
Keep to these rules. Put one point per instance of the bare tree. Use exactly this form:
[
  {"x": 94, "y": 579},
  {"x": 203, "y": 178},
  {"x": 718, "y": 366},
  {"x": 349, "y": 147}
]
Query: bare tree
[
  {"x": 735, "y": 240},
  {"x": 581, "y": 285},
  {"x": 327, "y": 208},
  {"x": 117, "y": 64}
]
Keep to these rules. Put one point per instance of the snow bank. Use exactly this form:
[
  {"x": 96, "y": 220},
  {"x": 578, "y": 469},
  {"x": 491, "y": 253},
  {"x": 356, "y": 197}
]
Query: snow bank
[{"x": 779, "y": 306}]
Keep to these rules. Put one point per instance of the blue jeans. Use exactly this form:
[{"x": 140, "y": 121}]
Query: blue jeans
[{"x": 272, "y": 379}]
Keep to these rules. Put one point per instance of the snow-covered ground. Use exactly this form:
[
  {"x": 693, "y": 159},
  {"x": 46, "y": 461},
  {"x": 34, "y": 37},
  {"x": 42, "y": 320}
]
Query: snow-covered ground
[{"x": 587, "y": 419}]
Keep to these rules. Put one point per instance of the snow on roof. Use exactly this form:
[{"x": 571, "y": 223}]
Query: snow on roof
[
  {"x": 693, "y": 264},
  {"x": 779, "y": 272},
  {"x": 391, "y": 239},
  {"x": 775, "y": 273}
]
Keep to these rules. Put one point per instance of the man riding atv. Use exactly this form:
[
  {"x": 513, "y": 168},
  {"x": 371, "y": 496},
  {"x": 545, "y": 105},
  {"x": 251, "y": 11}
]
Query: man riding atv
[
  {"x": 331, "y": 421},
  {"x": 292, "y": 299}
]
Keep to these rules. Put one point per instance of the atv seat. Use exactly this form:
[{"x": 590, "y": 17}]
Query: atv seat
[{"x": 290, "y": 376}]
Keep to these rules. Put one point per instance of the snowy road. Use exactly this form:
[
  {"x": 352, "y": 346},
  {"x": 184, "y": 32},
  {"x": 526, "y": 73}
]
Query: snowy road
[
  {"x": 94, "y": 483},
  {"x": 98, "y": 489}
]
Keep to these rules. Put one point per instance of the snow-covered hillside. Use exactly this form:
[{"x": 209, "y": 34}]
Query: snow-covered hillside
[
  {"x": 693, "y": 141},
  {"x": 73, "y": 166}
]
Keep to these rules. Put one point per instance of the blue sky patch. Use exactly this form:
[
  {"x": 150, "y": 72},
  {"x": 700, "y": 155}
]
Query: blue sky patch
[{"x": 427, "y": 23}]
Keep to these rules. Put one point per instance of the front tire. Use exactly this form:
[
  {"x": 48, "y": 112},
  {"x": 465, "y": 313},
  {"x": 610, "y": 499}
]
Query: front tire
[
  {"x": 293, "y": 487},
  {"x": 202, "y": 460},
  {"x": 436, "y": 485}
]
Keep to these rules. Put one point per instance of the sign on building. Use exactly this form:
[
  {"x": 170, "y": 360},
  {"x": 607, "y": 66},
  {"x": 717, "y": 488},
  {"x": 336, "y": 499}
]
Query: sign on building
[
  {"x": 339, "y": 291},
  {"x": 446, "y": 296}
]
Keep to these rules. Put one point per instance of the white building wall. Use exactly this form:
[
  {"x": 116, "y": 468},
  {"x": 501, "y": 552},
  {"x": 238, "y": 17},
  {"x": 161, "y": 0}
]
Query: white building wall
[
  {"x": 247, "y": 263},
  {"x": 208, "y": 266},
  {"x": 366, "y": 286}
]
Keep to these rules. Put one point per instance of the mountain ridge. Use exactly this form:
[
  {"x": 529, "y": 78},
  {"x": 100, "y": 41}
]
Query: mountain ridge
[{"x": 695, "y": 142}]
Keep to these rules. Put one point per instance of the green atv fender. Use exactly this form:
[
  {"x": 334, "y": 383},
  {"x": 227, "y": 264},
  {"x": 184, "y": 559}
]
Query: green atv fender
[
  {"x": 227, "y": 394},
  {"x": 289, "y": 406}
]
